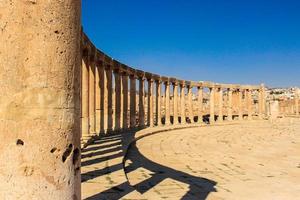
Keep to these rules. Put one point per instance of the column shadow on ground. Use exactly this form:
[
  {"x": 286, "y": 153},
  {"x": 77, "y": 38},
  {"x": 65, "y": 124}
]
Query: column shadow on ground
[{"x": 198, "y": 188}]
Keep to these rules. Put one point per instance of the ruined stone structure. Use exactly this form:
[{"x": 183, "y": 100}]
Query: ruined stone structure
[{"x": 58, "y": 90}]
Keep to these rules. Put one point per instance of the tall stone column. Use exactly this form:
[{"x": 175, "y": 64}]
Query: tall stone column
[
  {"x": 182, "y": 103},
  {"x": 132, "y": 101},
  {"x": 125, "y": 100},
  {"x": 249, "y": 104},
  {"x": 85, "y": 98},
  {"x": 200, "y": 104},
  {"x": 109, "y": 91},
  {"x": 262, "y": 102},
  {"x": 190, "y": 99},
  {"x": 220, "y": 114},
  {"x": 229, "y": 111},
  {"x": 97, "y": 96},
  {"x": 92, "y": 97},
  {"x": 167, "y": 103},
  {"x": 175, "y": 102},
  {"x": 102, "y": 96},
  {"x": 117, "y": 111},
  {"x": 240, "y": 103},
  {"x": 150, "y": 103},
  {"x": 40, "y": 64},
  {"x": 141, "y": 102},
  {"x": 158, "y": 102},
  {"x": 212, "y": 105}
]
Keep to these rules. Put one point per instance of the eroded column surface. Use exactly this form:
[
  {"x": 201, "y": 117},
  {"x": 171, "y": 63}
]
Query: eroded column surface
[
  {"x": 141, "y": 102},
  {"x": 132, "y": 101},
  {"x": 200, "y": 104},
  {"x": 92, "y": 97},
  {"x": 175, "y": 102},
  {"x": 182, "y": 103},
  {"x": 40, "y": 61},
  {"x": 229, "y": 106},
  {"x": 98, "y": 98},
  {"x": 158, "y": 102},
  {"x": 212, "y": 105},
  {"x": 220, "y": 105},
  {"x": 109, "y": 90},
  {"x": 167, "y": 103}
]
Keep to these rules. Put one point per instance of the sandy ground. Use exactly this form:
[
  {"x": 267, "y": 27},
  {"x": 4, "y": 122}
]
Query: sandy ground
[
  {"x": 252, "y": 160},
  {"x": 255, "y": 160}
]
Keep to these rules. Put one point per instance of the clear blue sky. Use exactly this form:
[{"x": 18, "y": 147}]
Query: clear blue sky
[{"x": 240, "y": 41}]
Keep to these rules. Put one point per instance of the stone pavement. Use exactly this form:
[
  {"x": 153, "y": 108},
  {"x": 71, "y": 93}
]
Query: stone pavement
[{"x": 253, "y": 160}]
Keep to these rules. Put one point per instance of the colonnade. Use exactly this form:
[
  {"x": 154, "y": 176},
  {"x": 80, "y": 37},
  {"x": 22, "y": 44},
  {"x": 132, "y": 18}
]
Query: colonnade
[
  {"x": 116, "y": 97},
  {"x": 290, "y": 106}
]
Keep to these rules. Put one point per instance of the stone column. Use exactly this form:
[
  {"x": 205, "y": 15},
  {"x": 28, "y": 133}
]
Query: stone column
[
  {"x": 102, "y": 97},
  {"x": 175, "y": 102},
  {"x": 117, "y": 110},
  {"x": 109, "y": 91},
  {"x": 167, "y": 103},
  {"x": 182, "y": 102},
  {"x": 158, "y": 102},
  {"x": 150, "y": 103},
  {"x": 297, "y": 101},
  {"x": 220, "y": 114},
  {"x": 92, "y": 96},
  {"x": 240, "y": 103},
  {"x": 40, "y": 63},
  {"x": 262, "y": 102},
  {"x": 85, "y": 98},
  {"x": 200, "y": 105},
  {"x": 190, "y": 99},
  {"x": 212, "y": 105},
  {"x": 132, "y": 101},
  {"x": 97, "y": 97},
  {"x": 249, "y": 104},
  {"x": 141, "y": 102},
  {"x": 125, "y": 100},
  {"x": 229, "y": 112}
]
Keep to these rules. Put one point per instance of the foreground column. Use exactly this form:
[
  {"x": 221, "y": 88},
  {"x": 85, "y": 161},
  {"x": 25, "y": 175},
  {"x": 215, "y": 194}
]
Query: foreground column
[
  {"x": 175, "y": 99},
  {"x": 125, "y": 100},
  {"x": 158, "y": 102},
  {"x": 40, "y": 101},
  {"x": 167, "y": 103},
  {"x": 212, "y": 105},
  {"x": 182, "y": 102},
  {"x": 200, "y": 104},
  {"x": 229, "y": 111}
]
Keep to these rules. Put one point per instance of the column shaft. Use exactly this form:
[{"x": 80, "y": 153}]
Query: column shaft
[
  {"x": 40, "y": 99},
  {"x": 117, "y": 110},
  {"x": 229, "y": 111},
  {"x": 220, "y": 115},
  {"x": 175, "y": 103},
  {"x": 98, "y": 99},
  {"x": 240, "y": 104},
  {"x": 141, "y": 103},
  {"x": 125, "y": 101},
  {"x": 92, "y": 97},
  {"x": 132, "y": 101},
  {"x": 182, "y": 102},
  {"x": 212, "y": 106},
  {"x": 250, "y": 112},
  {"x": 150, "y": 120},
  {"x": 109, "y": 91},
  {"x": 85, "y": 100},
  {"x": 158, "y": 103},
  {"x": 200, "y": 105},
  {"x": 167, "y": 103},
  {"x": 190, "y": 99}
]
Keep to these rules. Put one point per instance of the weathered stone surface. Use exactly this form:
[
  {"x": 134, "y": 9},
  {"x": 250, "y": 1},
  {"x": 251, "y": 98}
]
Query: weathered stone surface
[{"x": 39, "y": 102}]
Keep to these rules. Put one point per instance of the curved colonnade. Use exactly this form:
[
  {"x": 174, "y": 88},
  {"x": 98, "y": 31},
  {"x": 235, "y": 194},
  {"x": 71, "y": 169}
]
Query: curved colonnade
[{"x": 116, "y": 97}]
